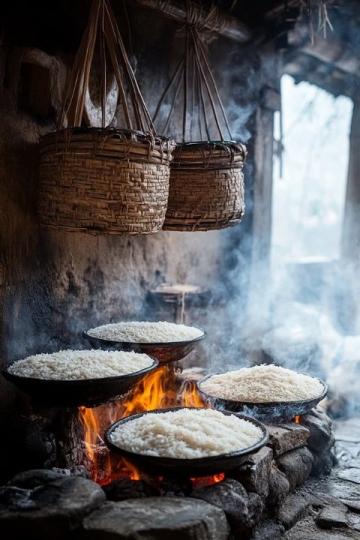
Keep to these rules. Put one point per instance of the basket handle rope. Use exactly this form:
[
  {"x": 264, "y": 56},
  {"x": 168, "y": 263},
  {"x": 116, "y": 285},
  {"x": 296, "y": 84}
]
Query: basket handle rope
[
  {"x": 103, "y": 30},
  {"x": 194, "y": 78}
]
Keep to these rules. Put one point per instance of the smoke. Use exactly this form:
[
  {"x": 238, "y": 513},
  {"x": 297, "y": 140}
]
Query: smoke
[{"x": 297, "y": 316}]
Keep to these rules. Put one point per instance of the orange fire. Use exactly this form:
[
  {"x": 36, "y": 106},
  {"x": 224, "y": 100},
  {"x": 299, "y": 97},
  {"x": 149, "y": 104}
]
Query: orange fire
[
  {"x": 158, "y": 390},
  {"x": 218, "y": 477},
  {"x": 96, "y": 452},
  {"x": 207, "y": 480},
  {"x": 133, "y": 471},
  {"x": 297, "y": 419},
  {"x": 190, "y": 396}
]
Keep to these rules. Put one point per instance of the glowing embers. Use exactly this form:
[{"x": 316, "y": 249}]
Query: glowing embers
[
  {"x": 203, "y": 481},
  {"x": 158, "y": 390}
]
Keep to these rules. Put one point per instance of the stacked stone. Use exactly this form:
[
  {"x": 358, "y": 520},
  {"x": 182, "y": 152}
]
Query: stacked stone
[
  {"x": 294, "y": 453},
  {"x": 255, "y": 500},
  {"x": 321, "y": 441},
  {"x": 43, "y": 504}
]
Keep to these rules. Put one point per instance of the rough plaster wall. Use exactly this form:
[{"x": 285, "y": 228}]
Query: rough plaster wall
[
  {"x": 57, "y": 284},
  {"x": 83, "y": 280},
  {"x": 53, "y": 285}
]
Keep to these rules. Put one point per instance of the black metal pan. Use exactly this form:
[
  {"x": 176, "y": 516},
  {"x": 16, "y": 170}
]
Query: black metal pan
[
  {"x": 185, "y": 468},
  {"x": 164, "y": 352},
  {"x": 90, "y": 392},
  {"x": 267, "y": 411}
]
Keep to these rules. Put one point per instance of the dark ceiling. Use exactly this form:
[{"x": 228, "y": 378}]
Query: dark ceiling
[
  {"x": 61, "y": 22},
  {"x": 57, "y": 25}
]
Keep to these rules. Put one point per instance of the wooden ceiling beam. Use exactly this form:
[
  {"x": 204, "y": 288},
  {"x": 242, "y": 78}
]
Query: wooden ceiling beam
[
  {"x": 330, "y": 50},
  {"x": 226, "y": 26}
]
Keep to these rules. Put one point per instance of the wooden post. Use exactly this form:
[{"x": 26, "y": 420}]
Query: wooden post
[
  {"x": 351, "y": 224},
  {"x": 264, "y": 149},
  {"x": 258, "y": 295},
  {"x": 262, "y": 221},
  {"x": 351, "y": 229}
]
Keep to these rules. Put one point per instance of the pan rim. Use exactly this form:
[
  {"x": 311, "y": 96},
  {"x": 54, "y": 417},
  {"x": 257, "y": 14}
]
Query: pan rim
[
  {"x": 263, "y": 404},
  {"x": 70, "y": 382},
  {"x": 209, "y": 460},
  {"x": 164, "y": 344}
]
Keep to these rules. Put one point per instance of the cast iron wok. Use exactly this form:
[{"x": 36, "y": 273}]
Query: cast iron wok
[
  {"x": 267, "y": 411},
  {"x": 185, "y": 468},
  {"x": 171, "y": 351},
  {"x": 89, "y": 392}
]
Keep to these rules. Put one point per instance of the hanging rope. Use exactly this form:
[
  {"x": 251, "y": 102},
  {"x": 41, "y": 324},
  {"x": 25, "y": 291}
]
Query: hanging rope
[
  {"x": 194, "y": 80},
  {"x": 102, "y": 31}
]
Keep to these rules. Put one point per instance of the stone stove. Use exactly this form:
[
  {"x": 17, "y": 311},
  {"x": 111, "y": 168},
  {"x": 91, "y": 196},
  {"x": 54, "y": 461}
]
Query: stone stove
[
  {"x": 289, "y": 486},
  {"x": 253, "y": 501}
]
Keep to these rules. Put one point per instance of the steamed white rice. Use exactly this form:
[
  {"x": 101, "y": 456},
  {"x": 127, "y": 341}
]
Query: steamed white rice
[
  {"x": 186, "y": 433},
  {"x": 72, "y": 365},
  {"x": 146, "y": 332},
  {"x": 263, "y": 383}
]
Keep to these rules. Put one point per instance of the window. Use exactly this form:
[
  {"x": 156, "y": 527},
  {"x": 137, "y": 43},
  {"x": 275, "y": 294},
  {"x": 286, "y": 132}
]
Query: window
[{"x": 309, "y": 198}]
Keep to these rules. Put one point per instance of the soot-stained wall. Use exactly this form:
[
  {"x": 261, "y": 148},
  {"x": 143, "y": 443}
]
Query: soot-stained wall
[{"x": 53, "y": 285}]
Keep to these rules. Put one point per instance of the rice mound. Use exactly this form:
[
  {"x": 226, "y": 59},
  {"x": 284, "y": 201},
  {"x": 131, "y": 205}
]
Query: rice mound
[
  {"x": 186, "y": 434},
  {"x": 70, "y": 365},
  {"x": 146, "y": 332},
  {"x": 262, "y": 384}
]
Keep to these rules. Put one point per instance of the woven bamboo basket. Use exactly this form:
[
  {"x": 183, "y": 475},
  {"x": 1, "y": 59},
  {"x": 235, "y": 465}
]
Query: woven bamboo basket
[
  {"x": 103, "y": 180},
  {"x": 206, "y": 178},
  {"x": 206, "y": 186}
]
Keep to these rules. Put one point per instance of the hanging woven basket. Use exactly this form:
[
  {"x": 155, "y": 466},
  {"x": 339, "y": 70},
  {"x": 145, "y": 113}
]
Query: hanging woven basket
[
  {"x": 206, "y": 176},
  {"x": 206, "y": 187},
  {"x": 104, "y": 180}
]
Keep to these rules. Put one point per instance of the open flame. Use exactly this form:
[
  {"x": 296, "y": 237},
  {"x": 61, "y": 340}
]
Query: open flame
[
  {"x": 97, "y": 455},
  {"x": 158, "y": 390},
  {"x": 297, "y": 419}
]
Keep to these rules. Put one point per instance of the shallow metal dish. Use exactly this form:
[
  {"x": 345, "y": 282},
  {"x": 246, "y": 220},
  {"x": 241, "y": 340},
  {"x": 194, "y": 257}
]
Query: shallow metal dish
[
  {"x": 164, "y": 352},
  {"x": 78, "y": 392},
  {"x": 185, "y": 468},
  {"x": 268, "y": 411},
  {"x": 198, "y": 297}
]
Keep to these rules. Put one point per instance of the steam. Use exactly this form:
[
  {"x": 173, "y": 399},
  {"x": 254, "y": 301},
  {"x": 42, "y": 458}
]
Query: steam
[
  {"x": 296, "y": 325},
  {"x": 256, "y": 313},
  {"x": 293, "y": 314}
]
